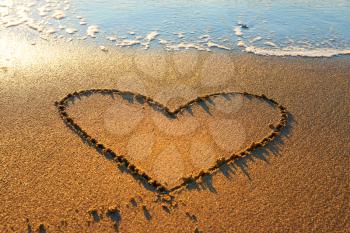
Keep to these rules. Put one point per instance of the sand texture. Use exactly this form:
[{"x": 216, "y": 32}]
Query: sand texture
[{"x": 50, "y": 180}]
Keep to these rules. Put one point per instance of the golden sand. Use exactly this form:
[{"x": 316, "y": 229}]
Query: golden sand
[{"x": 50, "y": 179}]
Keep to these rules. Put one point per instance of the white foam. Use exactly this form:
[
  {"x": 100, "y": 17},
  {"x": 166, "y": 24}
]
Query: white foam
[
  {"x": 204, "y": 36},
  {"x": 241, "y": 44},
  {"x": 126, "y": 42},
  {"x": 151, "y": 36},
  {"x": 58, "y": 14},
  {"x": 103, "y": 48},
  {"x": 238, "y": 31},
  {"x": 111, "y": 38},
  {"x": 51, "y": 30},
  {"x": 258, "y": 38},
  {"x": 163, "y": 42},
  {"x": 270, "y": 43},
  {"x": 295, "y": 51},
  {"x": 4, "y": 11},
  {"x": 215, "y": 45},
  {"x": 184, "y": 45},
  {"x": 44, "y": 37},
  {"x": 34, "y": 26},
  {"x": 42, "y": 11},
  {"x": 92, "y": 30},
  {"x": 15, "y": 22},
  {"x": 31, "y": 4},
  {"x": 180, "y": 35},
  {"x": 6, "y": 3},
  {"x": 145, "y": 46},
  {"x": 71, "y": 30}
]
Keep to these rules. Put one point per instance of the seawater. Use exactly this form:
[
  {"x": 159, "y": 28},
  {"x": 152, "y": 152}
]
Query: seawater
[{"x": 268, "y": 27}]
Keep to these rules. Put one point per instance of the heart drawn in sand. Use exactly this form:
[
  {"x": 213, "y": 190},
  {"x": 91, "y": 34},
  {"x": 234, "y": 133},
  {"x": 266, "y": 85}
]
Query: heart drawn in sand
[{"x": 169, "y": 148}]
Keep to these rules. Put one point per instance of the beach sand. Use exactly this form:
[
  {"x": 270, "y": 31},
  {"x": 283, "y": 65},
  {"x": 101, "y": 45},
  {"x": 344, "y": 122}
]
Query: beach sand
[{"x": 50, "y": 179}]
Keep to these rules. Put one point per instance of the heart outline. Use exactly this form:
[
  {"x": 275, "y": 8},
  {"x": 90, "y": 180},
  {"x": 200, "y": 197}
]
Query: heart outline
[{"x": 136, "y": 172}]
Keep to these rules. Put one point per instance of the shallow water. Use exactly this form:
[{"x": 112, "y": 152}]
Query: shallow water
[{"x": 280, "y": 27}]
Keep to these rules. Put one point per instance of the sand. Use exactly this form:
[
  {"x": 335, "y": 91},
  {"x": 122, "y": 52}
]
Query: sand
[{"x": 51, "y": 181}]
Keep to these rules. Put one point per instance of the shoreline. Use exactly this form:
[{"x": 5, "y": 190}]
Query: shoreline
[{"x": 96, "y": 44}]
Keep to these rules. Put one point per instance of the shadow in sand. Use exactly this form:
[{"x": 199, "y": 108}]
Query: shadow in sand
[
  {"x": 146, "y": 213},
  {"x": 29, "y": 228},
  {"x": 95, "y": 216},
  {"x": 42, "y": 229},
  {"x": 115, "y": 216},
  {"x": 204, "y": 105},
  {"x": 142, "y": 181},
  {"x": 229, "y": 169}
]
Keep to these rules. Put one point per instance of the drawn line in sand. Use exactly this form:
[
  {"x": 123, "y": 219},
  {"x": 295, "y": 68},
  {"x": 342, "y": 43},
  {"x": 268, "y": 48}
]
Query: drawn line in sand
[{"x": 138, "y": 173}]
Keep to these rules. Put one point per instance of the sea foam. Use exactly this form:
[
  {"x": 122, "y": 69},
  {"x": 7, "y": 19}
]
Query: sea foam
[{"x": 295, "y": 51}]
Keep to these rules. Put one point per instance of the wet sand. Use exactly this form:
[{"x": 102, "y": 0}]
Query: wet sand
[{"x": 297, "y": 183}]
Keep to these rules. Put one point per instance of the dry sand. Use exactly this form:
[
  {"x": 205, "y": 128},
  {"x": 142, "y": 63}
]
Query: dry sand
[{"x": 48, "y": 176}]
